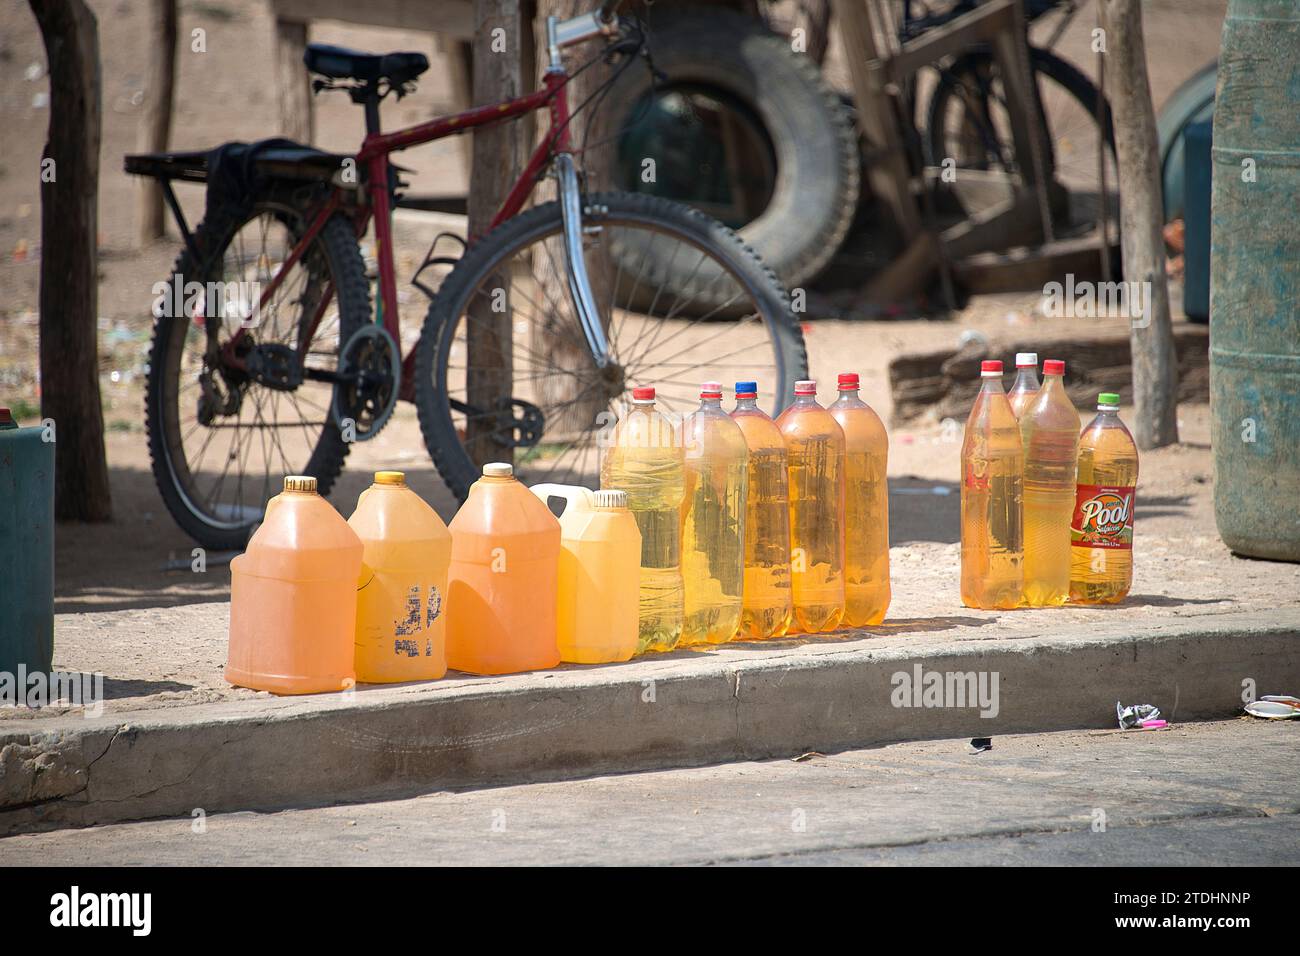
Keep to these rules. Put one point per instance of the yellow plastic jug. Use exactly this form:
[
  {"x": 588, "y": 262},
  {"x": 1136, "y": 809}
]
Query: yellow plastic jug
[
  {"x": 401, "y": 617},
  {"x": 600, "y": 566},
  {"x": 293, "y": 597},
  {"x": 503, "y": 580}
]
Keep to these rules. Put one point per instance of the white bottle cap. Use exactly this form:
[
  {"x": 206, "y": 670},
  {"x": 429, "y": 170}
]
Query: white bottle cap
[
  {"x": 611, "y": 498},
  {"x": 1026, "y": 358},
  {"x": 498, "y": 469}
]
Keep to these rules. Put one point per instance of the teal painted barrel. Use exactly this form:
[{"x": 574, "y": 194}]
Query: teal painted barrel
[
  {"x": 1255, "y": 281},
  {"x": 26, "y": 548}
]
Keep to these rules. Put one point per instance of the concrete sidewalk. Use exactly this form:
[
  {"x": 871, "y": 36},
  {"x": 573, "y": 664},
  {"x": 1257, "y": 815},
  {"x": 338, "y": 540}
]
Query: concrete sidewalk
[
  {"x": 1206, "y": 793},
  {"x": 736, "y": 702}
]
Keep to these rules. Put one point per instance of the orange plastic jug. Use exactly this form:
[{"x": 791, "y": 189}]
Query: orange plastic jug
[
  {"x": 293, "y": 597},
  {"x": 503, "y": 580},
  {"x": 600, "y": 567},
  {"x": 401, "y": 620}
]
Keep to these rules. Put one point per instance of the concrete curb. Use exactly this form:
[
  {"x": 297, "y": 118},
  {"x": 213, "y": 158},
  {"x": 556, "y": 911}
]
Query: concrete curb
[{"x": 749, "y": 703}]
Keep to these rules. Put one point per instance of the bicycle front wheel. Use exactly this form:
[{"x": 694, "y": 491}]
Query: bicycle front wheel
[{"x": 504, "y": 373}]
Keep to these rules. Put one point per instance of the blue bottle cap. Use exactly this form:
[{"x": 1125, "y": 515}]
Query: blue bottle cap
[{"x": 746, "y": 388}]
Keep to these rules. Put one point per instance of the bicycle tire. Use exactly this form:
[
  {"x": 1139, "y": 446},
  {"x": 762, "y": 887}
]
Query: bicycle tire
[
  {"x": 1044, "y": 63},
  {"x": 337, "y": 240},
  {"x": 817, "y": 180},
  {"x": 431, "y": 378}
]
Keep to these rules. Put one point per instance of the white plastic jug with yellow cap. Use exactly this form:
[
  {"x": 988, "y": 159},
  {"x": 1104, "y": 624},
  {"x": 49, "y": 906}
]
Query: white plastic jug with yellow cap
[{"x": 600, "y": 565}]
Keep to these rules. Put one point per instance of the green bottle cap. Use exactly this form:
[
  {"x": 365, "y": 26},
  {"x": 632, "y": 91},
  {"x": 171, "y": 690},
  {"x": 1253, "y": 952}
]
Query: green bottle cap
[{"x": 1108, "y": 398}]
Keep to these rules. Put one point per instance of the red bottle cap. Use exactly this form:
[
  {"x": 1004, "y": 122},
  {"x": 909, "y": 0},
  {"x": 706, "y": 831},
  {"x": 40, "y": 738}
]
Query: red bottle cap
[
  {"x": 991, "y": 365},
  {"x": 643, "y": 393},
  {"x": 848, "y": 380},
  {"x": 1053, "y": 367},
  {"x": 805, "y": 387},
  {"x": 711, "y": 390}
]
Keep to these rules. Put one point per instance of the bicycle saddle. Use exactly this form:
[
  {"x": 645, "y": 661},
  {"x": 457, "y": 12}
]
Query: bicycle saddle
[{"x": 339, "y": 63}]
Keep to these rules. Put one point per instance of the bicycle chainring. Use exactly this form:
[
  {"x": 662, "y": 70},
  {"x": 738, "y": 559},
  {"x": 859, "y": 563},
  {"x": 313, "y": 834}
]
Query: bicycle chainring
[{"x": 370, "y": 377}]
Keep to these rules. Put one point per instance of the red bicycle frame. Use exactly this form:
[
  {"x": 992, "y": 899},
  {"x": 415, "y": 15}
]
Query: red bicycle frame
[{"x": 373, "y": 157}]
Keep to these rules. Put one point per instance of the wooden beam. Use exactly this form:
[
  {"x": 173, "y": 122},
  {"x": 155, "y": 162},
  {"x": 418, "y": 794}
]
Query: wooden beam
[
  {"x": 453, "y": 17},
  {"x": 888, "y": 172},
  {"x": 156, "y": 123},
  {"x": 293, "y": 83},
  {"x": 498, "y": 160}
]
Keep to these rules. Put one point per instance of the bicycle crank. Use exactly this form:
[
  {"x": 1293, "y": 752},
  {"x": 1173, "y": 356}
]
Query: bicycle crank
[{"x": 367, "y": 383}]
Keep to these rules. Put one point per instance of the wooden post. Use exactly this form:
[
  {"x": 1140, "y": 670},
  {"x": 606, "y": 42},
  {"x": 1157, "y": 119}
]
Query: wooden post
[
  {"x": 1141, "y": 216},
  {"x": 156, "y": 124},
  {"x": 297, "y": 121},
  {"x": 69, "y": 261},
  {"x": 459, "y": 55},
  {"x": 502, "y": 34}
]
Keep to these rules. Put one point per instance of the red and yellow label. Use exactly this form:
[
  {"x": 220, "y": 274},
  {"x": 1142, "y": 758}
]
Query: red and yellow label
[{"x": 1103, "y": 517}]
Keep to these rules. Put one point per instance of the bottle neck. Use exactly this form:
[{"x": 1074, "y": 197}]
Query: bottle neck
[
  {"x": 748, "y": 403},
  {"x": 850, "y": 396},
  {"x": 711, "y": 404},
  {"x": 1027, "y": 376},
  {"x": 991, "y": 383},
  {"x": 806, "y": 401}
]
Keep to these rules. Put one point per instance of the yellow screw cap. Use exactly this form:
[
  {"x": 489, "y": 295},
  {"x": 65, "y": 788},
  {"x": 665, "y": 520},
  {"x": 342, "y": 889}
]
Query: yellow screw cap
[
  {"x": 303, "y": 483},
  {"x": 390, "y": 477}
]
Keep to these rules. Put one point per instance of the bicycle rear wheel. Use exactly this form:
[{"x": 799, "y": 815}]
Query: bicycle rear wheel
[
  {"x": 221, "y": 438},
  {"x": 504, "y": 373},
  {"x": 967, "y": 121}
]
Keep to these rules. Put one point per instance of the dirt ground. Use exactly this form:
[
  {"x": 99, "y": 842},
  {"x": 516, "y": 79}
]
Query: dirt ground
[{"x": 141, "y": 560}]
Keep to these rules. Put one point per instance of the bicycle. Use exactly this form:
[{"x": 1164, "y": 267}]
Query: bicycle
[
  {"x": 529, "y": 341},
  {"x": 966, "y": 118}
]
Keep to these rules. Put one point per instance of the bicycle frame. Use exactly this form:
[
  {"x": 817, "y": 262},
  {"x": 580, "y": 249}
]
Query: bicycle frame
[{"x": 373, "y": 158}]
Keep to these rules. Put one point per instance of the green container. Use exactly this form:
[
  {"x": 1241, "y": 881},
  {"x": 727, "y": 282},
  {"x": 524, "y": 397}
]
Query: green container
[
  {"x": 1255, "y": 281},
  {"x": 26, "y": 548}
]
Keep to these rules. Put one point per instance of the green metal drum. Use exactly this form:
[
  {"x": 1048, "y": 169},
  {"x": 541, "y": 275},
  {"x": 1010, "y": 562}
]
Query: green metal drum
[
  {"x": 26, "y": 548},
  {"x": 1255, "y": 281}
]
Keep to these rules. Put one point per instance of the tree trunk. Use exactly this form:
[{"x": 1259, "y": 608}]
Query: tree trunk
[
  {"x": 156, "y": 125},
  {"x": 293, "y": 83},
  {"x": 502, "y": 46},
  {"x": 1141, "y": 217},
  {"x": 69, "y": 261}
]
